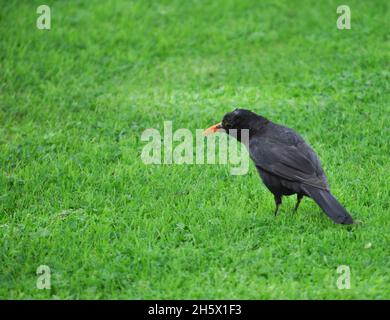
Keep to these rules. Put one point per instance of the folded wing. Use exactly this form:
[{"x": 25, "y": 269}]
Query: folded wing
[{"x": 294, "y": 162}]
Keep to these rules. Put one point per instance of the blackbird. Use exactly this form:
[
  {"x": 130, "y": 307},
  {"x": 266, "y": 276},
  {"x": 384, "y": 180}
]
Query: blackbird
[{"x": 285, "y": 162}]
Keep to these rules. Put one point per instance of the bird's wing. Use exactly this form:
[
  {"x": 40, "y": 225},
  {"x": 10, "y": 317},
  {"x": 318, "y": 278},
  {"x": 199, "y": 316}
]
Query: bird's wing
[{"x": 291, "y": 161}]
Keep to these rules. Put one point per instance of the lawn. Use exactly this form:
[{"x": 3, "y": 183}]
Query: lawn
[{"x": 76, "y": 196}]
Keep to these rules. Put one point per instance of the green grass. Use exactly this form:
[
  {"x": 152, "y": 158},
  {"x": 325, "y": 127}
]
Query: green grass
[{"x": 75, "y": 195}]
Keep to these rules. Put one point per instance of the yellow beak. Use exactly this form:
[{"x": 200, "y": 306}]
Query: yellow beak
[{"x": 213, "y": 129}]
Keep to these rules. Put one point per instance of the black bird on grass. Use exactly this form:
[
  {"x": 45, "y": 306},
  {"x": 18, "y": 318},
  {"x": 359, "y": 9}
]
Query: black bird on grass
[{"x": 285, "y": 162}]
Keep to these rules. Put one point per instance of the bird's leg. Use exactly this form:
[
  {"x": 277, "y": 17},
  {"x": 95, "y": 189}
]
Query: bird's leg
[
  {"x": 299, "y": 198},
  {"x": 278, "y": 201}
]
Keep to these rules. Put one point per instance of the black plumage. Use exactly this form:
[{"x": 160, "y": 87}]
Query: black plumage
[{"x": 285, "y": 162}]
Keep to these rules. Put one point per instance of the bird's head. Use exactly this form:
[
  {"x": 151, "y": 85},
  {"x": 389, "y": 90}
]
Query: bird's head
[{"x": 237, "y": 119}]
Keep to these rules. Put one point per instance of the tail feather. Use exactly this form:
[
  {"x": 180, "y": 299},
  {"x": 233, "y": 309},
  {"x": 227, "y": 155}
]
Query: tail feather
[{"x": 330, "y": 205}]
